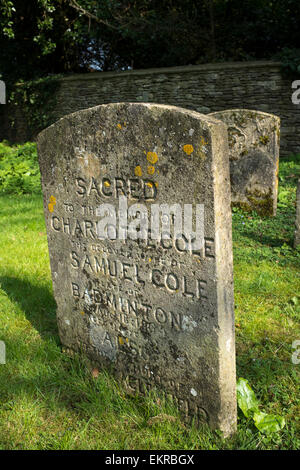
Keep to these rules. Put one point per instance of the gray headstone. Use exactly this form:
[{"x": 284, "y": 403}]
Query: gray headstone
[
  {"x": 2, "y": 353},
  {"x": 297, "y": 231},
  {"x": 2, "y": 92},
  {"x": 253, "y": 138},
  {"x": 159, "y": 315}
]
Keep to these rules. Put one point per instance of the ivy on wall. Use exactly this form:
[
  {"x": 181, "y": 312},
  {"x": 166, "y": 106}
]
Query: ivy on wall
[
  {"x": 35, "y": 100},
  {"x": 290, "y": 62}
]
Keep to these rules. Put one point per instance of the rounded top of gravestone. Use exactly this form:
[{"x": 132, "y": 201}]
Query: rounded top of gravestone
[
  {"x": 111, "y": 109},
  {"x": 239, "y": 114},
  {"x": 122, "y": 130}
]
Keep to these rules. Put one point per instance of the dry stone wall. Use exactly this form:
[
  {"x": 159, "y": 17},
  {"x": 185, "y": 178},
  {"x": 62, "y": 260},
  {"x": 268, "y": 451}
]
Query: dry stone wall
[{"x": 204, "y": 88}]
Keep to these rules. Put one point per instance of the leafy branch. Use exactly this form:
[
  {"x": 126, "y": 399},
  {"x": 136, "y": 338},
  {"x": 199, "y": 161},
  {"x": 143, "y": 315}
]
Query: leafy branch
[{"x": 90, "y": 15}]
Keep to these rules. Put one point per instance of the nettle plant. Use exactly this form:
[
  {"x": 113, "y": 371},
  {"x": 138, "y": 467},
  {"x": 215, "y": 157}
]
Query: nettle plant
[{"x": 19, "y": 170}]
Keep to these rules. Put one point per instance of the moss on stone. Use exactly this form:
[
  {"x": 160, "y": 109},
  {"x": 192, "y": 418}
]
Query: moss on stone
[
  {"x": 264, "y": 139},
  {"x": 263, "y": 207},
  {"x": 258, "y": 202}
]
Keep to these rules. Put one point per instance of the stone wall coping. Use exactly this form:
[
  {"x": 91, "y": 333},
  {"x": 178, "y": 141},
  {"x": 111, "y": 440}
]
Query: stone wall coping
[{"x": 167, "y": 70}]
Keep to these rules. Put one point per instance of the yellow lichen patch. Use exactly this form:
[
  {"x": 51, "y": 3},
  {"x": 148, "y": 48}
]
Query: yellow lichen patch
[
  {"x": 150, "y": 170},
  {"x": 138, "y": 171},
  {"x": 82, "y": 312},
  {"x": 152, "y": 157},
  {"x": 121, "y": 340},
  {"x": 203, "y": 141},
  {"x": 188, "y": 149},
  {"x": 119, "y": 126},
  {"x": 126, "y": 340},
  {"x": 149, "y": 184},
  {"x": 124, "y": 124},
  {"x": 150, "y": 260},
  {"x": 52, "y": 203},
  {"x": 106, "y": 183}
]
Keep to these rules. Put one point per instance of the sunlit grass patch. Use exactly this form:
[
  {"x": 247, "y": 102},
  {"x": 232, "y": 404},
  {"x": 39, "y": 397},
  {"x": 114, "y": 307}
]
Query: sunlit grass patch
[{"x": 49, "y": 400}]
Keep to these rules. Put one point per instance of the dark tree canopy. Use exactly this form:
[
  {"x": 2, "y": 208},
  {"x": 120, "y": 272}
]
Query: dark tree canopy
[{"x": 42, "y": 37}]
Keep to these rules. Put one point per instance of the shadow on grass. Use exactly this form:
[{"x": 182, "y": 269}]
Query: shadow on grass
[
  {"x": 271, "y": 241},
  {"x": 36, "y": 301},
  {"x": 39, "y": 307}
]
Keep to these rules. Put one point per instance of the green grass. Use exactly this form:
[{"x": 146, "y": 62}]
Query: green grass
[{"x": 51, "y": 401}]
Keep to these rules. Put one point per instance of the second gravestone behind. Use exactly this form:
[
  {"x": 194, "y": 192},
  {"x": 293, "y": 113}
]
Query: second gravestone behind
[
  {"x": 159, "y": 310},
  {"x": 254, "y": 158}
]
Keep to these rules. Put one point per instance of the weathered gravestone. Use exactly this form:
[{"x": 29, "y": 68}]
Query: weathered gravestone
[
  {"x": 158, "y": 311},
  {"x": 2, "y": 92},
  {"x": 297, "y": 231},
  {"x": 253, "y": 138}
]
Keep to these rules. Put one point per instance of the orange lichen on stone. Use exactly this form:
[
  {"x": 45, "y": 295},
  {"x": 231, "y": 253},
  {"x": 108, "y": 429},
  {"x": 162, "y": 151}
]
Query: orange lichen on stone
[
  {"x": 151, "y": 170},
  {"x": 52, "y": 203},
  {"x": 138, "y": 171},
  {"x": 152, "y": 157},
  {"x": 188, "y": 149}
]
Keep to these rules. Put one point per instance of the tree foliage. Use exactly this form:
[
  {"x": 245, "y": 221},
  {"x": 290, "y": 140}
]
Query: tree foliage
[{"x": 43, "y": 37}]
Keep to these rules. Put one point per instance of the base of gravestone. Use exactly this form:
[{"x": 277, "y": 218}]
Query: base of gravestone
[{"x": 198, "y": 420}]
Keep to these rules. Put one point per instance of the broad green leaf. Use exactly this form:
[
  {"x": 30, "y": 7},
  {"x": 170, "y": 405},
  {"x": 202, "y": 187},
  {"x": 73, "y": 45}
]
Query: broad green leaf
[
  {"x": 295, "y": 300},
  {"x": 268, "y": 423},
  {"x": 246, "y": 398}
]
